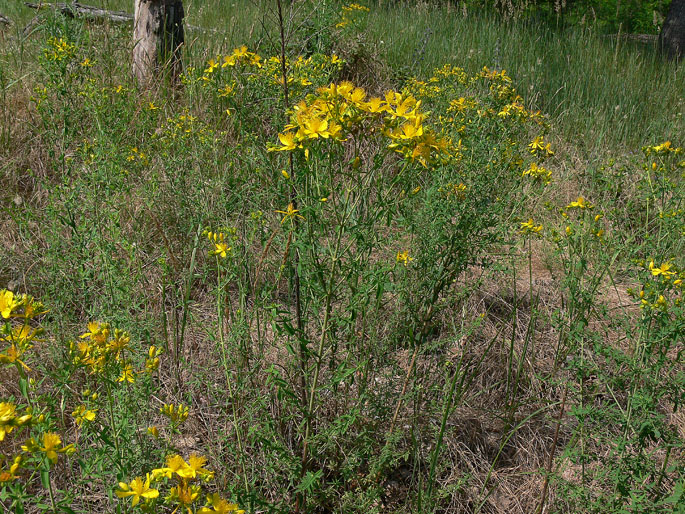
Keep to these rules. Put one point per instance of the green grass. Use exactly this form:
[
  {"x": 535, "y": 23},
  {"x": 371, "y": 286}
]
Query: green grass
[{"x": 604, "y": 99}]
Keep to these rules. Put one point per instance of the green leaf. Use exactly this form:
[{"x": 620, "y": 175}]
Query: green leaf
[{"x": 45, "y": 478}]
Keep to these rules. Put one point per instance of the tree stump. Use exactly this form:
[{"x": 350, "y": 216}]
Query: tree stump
[
  {"x": 157, "y": 40},
  {"x": 672, "y": 37}
]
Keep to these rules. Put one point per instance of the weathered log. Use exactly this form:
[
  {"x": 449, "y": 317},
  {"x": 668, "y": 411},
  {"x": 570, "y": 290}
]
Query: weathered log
[
  {"x": 157, "y": 39},
  {"x": 76, "y": 9},
  {"x": 642, "y": 38}
]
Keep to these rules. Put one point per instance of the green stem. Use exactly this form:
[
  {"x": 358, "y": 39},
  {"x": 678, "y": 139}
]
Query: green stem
[{"x": 228, "y": 376}]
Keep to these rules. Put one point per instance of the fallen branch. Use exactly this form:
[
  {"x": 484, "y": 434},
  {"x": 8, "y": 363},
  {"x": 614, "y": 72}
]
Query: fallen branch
[
  {"x": 4, "y": 20},
  {"x": 643, "y": 38},
  {"x": 75, "y": 9}
]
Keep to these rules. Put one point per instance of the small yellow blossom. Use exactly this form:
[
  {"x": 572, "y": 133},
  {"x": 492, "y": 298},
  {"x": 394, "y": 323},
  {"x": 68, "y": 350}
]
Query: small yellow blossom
[
  {"x": 52, "y": 445},
  {"x": 529, "y": 227},
  {"x": 175, "y": 413},
  {"x": 290, "y": 213},
  {"x": 219, "y": 506},
  {"x": 127, "y": 374},
  {"x": 580, "y": 203},
  {"x": 8, "y": 303},
  {"x": 82, "y": 413},
  {"x": 137, "y": 489},
  {"x": 404, "y": 258},
  {"x": 664, "y": 270},
  {"x": 221, "y": 248}
]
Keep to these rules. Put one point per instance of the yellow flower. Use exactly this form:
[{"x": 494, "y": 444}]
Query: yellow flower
[
  {"x": 219, "y": 506},
  {"x": 120, "y": 343},
  {"x": 7, "y": 416},
  {"x": 97, "y": 332},
  {"x": 315, "y": 127},
  {"x": 185, "y": 495},
  {"x": 126, "y": 374},
  {"x": 663, "y": 270},
  {"x": 290, "y": 213},
  {"x": 151, "y": 106},
  {"x": 12, "y": 355},
  {"x": 152, "y": 361},
  {"x": 580, "y": 203},
  {"x": 538, "y": 173},
  {"x": 82, "y": 413},
  {"x": 196, "y": 463},
  {"x": 153, "y": 431},
  {"x": 138, "y": 489},
  {"x": 8, "y": 302},
  {"x": 240, "y": 51},
  {"x": 32, "y": 308},
  {"x": 225, "y": 91},
  {"x": 11, "y": 473},
  {"x": 52, "y": 445},
  {"x": 538, "y": 146},
  {"x": 529, "y": 227},
  {"x": 288, "y": 141},
  {"x": 221, "y": 248},
  {"x": 22, "y": 336},
  {"x": 404, "y": 258},
  {"x": 175, "y": 464},
  {"x": 176, "y": 414},
  {"x": 211, "y": 66}
]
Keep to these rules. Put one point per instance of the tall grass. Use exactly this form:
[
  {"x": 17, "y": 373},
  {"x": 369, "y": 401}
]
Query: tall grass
[{"x": 602, "y": 93}]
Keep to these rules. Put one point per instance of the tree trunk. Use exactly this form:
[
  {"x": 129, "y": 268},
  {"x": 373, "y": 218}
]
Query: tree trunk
[
  {"x": 157, "y": 39},
  {"x": 672, "y": 37}
]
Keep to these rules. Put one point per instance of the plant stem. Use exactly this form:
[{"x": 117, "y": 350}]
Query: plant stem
[{"x": 219, "y": 287}]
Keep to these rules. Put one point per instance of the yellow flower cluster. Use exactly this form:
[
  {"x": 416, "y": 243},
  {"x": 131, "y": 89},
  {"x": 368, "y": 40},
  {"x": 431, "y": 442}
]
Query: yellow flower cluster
[
  {"x": 187, "y": 478},
  {"x": 59, "y": 50},
  {"x": 581, "y": 203},
  {"x": 529, "y": 227},
  {"x": 339, "y": 110},
  {"x": 662, "y": 288},
  {"x": 540, "y": 148},
  {"x": 10, "y": 473},
  {"x": 102, "y": 348},
  {"x": 185, "y": 126},
  {"x": 538, "y": 173},
  {"x": 10, "y": 419},
  {"x": 664, "y": 148},
  {"x": 350, "y": 14},
  {"x": 17, "y": 334},
  {"x": 176, "y": 413},
  {"x": 221, "y": 248},
  {"x": 136, "y": 155},
  {"x": 51, "y": 446},
  {"x": 404, "y": 258}
]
